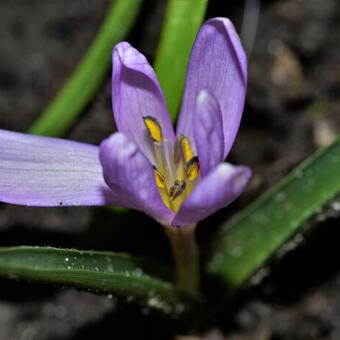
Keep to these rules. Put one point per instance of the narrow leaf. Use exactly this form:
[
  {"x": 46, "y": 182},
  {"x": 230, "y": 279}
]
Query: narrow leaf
[
  {"x": 244, "y": 243},
  {"x": 182, "y": 21},
  {"x": 90, "y": 73},
  {"x": 119, "y": 274}
]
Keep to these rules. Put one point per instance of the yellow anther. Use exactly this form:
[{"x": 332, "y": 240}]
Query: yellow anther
[
  {"x": 159, "y": 178},
  {"x": 192, "y": 168},
  {"x": 186, "y": 149},
  {"x": 177, "y": 189},
  {"x": 154, "y": 128}
]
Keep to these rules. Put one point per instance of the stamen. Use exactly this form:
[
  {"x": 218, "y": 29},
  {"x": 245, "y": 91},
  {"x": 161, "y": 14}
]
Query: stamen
[
  {"x": 176, "y": 168},
  {"x": 192, "y": 168},
  {"x": 186, "y": 149},
  {"x": 191, "y": 165},
  {"x": 160, "y": 179},
  {"x": 177, "y": 189},
  {"x": 154, "y": 128}
]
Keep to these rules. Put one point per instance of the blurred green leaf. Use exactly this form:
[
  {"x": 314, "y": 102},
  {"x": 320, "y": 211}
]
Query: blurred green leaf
[
  {"x": 182, "y": 21},
  {"x": 119, "y": 274},
  {"x": 244, "y": 243},
  {"x": 90, "y": 73}
]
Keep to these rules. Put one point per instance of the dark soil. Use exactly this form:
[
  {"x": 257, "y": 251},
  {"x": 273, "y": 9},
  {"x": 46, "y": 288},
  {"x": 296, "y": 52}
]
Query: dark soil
[{"x": 292, "y": 109}]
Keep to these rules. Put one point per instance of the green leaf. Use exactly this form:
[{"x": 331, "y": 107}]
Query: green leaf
[
  {"x": 182, "y": 21},
  {"x": 243, "y": 244},
  {"x": 90, "y": 73},
  {"x": 119, "y": 274}
]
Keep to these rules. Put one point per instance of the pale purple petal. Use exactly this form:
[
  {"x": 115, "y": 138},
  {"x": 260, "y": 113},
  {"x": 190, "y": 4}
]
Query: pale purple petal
[
  {"x": 42, "y": 171},
  {"x": 136, "y": 93},
  {"x": 216, "y": 191},
  {"x": 130, "y": 174},
  {"x": 209, "y": 139},
  {"x": 217, "y": 64}
]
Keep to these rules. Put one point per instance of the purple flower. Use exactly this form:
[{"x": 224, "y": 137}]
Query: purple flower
[{"x": 177, "y": 179}]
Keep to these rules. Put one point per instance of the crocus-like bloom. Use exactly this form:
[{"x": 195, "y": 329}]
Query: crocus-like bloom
[{"x": 177, "y": 179}]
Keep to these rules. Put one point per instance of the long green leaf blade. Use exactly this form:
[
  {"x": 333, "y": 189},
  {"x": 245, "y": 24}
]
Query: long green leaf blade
[
  {"x": 119, "y": 274},
  {"x": 90, "y": 73},
  {"x": 182, "y": 21},
  {"x": 244, "y": 243}
]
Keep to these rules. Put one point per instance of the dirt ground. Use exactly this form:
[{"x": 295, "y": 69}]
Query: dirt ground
[{"x": 292, "y": 109}]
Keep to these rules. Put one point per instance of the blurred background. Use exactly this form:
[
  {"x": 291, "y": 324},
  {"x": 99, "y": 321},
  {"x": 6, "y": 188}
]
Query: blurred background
[{"x": 292, "y": 109}]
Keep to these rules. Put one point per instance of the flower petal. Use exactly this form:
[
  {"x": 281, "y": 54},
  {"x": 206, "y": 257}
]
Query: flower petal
[
  {"x": 217, "y": 64},
  {"x": 208, "y": 132},
  {"x": 130, "y": 174},
  {"x": 136, "y": 93},
  {"x": 216, "y": 191},
  {"x": 42, "y": 171}
]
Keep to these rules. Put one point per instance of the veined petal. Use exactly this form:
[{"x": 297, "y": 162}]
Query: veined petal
[
  {"x": 42, "y": 171},
  {"x": 136, "y": 93},
  {"x": 129, "y": 173},
  {"x": 216, "y": 191},
  {"x": 217, "y": 64},
  {"x": 208, "y": 132}
]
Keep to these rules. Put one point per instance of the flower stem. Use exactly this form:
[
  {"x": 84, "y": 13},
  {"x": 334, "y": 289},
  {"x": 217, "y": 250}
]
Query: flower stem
[{"x": 184, "y": 249}]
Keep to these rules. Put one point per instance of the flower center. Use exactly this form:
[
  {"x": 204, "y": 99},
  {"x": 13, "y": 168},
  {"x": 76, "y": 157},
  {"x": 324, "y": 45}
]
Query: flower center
[{"x": 176, "y": 168}]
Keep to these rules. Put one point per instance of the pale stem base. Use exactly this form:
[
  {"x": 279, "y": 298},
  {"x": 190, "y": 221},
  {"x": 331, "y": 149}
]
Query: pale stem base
[{"x": 186, "y": 257}]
